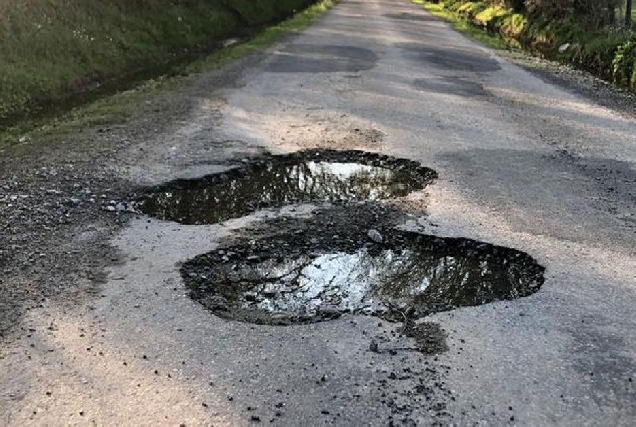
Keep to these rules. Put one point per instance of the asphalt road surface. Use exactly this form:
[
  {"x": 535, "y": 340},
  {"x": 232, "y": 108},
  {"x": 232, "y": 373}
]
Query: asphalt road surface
[{"x": 522, "y": 163}]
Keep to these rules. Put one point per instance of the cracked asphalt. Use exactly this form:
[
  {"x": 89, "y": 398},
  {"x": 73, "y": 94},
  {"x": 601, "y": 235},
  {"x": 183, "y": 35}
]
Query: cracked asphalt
[{"x": 522, "y": 162}]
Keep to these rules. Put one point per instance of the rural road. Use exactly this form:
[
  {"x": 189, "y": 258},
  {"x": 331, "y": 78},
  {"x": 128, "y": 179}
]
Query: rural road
[{"x": 521, "y": 163}]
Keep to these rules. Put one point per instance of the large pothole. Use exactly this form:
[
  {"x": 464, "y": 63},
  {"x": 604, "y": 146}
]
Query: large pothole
[
  {"x": 309, "y": 176},
  {"x": 308, "y": 270}
]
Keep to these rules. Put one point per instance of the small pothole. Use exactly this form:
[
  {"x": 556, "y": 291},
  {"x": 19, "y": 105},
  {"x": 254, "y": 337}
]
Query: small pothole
[{"x": 276, "y": 181}]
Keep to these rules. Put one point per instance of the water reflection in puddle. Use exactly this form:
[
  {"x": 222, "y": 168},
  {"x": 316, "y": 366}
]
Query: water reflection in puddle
[
  {"x": 308, "y": 270},
  {"x": 420, "y": 275},
  {"x": 316, "y": 176}
]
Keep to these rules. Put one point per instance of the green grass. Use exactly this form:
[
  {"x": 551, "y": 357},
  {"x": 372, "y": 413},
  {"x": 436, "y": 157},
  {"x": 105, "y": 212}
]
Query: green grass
[
  {"x": 50, "y": 50},
  {"x": 38, "y": 133},
  {"x": 464, "y": 26},
  {"x": 24, "y": 135}
]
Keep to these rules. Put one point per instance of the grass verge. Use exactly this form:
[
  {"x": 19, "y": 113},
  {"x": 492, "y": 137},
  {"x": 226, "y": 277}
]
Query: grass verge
[
  {"x": 116, "y": 108},
  {"x": 607, "y": 52}
]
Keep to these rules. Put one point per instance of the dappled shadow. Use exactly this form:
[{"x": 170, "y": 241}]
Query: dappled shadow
[{"x": 108, "y": 380}]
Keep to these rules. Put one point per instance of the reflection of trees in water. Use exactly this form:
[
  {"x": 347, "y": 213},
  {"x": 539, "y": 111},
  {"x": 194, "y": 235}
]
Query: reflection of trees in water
[
  {"x": 433, "y": 279},
  {"x": 436, "y": 276},
  {"x": 213, "y": 200}
]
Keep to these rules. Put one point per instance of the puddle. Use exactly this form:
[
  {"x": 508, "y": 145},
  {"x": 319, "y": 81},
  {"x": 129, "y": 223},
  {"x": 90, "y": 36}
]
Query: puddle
[
  {"x": 347, "y": 257},
  {"x": 289, "y": 279},
  {"x": 276, "y": 181}
]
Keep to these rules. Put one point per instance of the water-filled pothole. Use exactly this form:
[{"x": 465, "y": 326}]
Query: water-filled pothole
[
  {"x": 309, "y": 176},
  {"x": 312, "y": 271}
]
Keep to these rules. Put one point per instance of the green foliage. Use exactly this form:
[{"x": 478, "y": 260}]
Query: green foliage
[
  {"x": 492, "y": 18},
  {"x": 258, "y": 12},
  {"x": 469, "y": 10},
  {"x": 118, "y": 107},
  {"x": 513, "y": 27},
  {"x": 595, "y": 55},
  {"x": 624, "y": 64},
  {"x": 488, "y": 16},
  {"x": 593, "y": 14},
  {"x": 463, "y": 25}
]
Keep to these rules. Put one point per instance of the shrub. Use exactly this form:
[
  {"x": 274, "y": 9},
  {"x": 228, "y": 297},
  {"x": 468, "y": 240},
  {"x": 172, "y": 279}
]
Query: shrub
[
  {"x": 623, "y": 63},
  {"x": 468, "y": 10},
  {"x": 513, "y": 27},
  {"x": 596, "y": 55},
  {"x": 491, "y": 18},
  {"x": 578, "y": 26},
  {"x": 594, "y": 14}
]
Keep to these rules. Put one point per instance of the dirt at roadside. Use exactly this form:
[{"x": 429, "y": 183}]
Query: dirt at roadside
[
  {"x": 62, "y": 201},
  {"x": 56, "y": 218},
  {"x": 593, "y": 88}
]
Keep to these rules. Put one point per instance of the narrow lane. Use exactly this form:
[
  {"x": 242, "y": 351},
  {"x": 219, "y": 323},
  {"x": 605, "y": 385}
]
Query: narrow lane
[{"x": 522, "y": 163}]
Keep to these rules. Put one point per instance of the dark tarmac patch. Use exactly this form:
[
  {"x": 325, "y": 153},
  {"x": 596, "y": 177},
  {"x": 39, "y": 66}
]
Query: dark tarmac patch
[
  {"x": 309, "y": 270},
  {"x": 276, "y": 181},
  {"x": 305, "y": 58},
  {"x": 411, "y": 17},
  {"x": 429, "y": 337},
  {"x": 451, "y": 85},
  {"x": 449, "y": 59}
]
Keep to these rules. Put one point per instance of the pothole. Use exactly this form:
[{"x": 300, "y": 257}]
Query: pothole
[
  {"x": 349, "y": 256},
  {"x": 276, "y": 181},
  {"x": 309, "y": 270}
]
